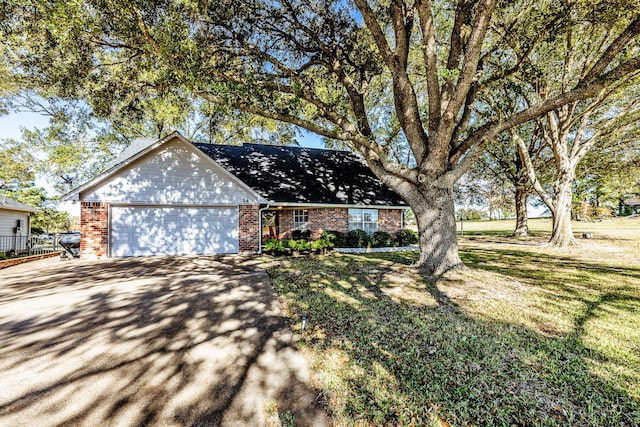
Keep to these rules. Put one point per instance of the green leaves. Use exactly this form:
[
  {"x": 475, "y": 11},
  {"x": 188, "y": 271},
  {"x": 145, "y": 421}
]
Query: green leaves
[{"x": 17, "y": 165}]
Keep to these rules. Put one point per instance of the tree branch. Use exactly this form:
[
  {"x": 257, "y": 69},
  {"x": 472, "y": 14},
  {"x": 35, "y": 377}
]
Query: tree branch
[
  {"x": 402, "y": 24},
  {"x": 584, "y": 89},
  {"x": 430, "y": 54},
  {"x": 456, "y": 45},
  {"x": 620, "y": 43},
  {"x": 471, "y": 59},
  {"x": 531, "y": 173},
  {"x": 379, "y": 38}
]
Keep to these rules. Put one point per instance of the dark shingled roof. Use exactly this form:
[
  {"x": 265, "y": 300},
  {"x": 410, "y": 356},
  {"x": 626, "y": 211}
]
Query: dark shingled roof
[{"x": 288, "y": 174}]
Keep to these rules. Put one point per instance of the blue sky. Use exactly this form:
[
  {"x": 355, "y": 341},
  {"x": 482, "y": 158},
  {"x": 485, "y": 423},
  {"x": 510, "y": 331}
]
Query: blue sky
[
  {"x": 311, "y": 140},
  {"x": 10, "y": 124}
]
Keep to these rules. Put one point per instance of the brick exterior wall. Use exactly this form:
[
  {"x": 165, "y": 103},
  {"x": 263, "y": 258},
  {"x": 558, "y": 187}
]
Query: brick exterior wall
[
  {"x": 94, "y": 229},
  {"x": 94, "y": 225},
  {"x": 249, "y": 228},
  {"x": 389, "y": 220},
  {"x": 327, "y": 219},
  {"x": 321, "y": 219}
]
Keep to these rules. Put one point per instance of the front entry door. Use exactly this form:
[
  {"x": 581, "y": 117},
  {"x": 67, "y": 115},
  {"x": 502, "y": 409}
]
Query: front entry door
[{"x": 270, "y": 225}]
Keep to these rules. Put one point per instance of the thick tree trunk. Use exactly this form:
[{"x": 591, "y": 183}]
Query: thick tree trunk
[
  {"x": 522, "y": 218},
  {"x": 562, "y": 233},
  {"x": 434, "y": 212}
]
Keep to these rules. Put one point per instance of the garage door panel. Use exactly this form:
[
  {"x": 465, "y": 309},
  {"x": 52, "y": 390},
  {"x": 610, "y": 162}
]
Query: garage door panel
[{"x": 144, "y": 231}]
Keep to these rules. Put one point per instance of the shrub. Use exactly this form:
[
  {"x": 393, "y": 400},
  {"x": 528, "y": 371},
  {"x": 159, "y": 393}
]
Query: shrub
[
  {"x": 358, "y": 239},
  {"x": 338, "y": 238},
  {"x": 603, "y": 212},
  {"x": 327, "y": 238},
  {"x": 299, "y": 245},
  {"x": 382, "y": 239},
  {"x": 469, "y": 215},
  {"x": 405, "y": 237},
  {"x": 3, "y": 256},
  {"x": 304, "y": 245},
  {"x": 324, "y": 242},
  {"x": 274, "y": 245}
]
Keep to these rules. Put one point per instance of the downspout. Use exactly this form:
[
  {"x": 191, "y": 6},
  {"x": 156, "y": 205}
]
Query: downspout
[{"x": 260, "y": 227}]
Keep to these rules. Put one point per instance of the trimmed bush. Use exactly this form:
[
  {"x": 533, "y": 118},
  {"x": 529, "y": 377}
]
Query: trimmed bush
[
  {"x": 338, "y": 238},
  {"x": 298, "y": 245},
  {"x": 405, "y": 237},
  {"x": 382, "y": 239},
  {"x": 274, "y": 245},
  {"x": 358, "y": 239},
  {"x": 324, "y": 242}
]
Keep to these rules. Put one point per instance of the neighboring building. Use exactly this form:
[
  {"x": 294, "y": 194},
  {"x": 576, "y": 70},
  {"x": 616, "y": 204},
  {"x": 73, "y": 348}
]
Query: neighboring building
[
  {"x": 15, "y": 225},
  {"x": 634, "y": 204},
  {"x": 172, "y": 197}
]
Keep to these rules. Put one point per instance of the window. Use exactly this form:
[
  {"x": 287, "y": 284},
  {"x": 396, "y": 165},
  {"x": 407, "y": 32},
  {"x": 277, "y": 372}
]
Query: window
[
  {"x": 301, "y": 219},
  {"x": 363, "y": 219}
]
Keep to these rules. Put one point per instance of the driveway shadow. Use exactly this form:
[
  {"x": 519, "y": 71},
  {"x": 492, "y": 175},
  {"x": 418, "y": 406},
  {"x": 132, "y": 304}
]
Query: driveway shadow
[{"x": 148, "y": 341}]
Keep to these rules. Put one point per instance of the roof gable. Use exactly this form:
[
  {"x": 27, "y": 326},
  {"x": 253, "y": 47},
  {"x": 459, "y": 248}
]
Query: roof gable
[
  {"x": 288, "y": 174},
  {"x": 170, "y": 171}
]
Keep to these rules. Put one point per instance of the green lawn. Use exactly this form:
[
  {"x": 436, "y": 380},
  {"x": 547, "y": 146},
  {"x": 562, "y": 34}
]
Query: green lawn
[{"x": 524, "y": 335}]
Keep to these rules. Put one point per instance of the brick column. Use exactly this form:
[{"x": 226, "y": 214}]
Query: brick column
[
  {"x": 94, "y": 229},
  {"x": 248, "y": 228},
  {"x": 285, "y": 223}
]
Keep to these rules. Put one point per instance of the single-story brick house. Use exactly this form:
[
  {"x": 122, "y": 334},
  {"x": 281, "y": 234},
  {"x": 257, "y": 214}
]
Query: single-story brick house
[
  {"x": 15, "y": 225},
  {"x": 173, "y": 197}
]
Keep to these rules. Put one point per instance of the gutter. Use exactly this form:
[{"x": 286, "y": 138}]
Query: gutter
[
  {"x": 333, "y": 205},
  {"x": 260, "y": 228}
]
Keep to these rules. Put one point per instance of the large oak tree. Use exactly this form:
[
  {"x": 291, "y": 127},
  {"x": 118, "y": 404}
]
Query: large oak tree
[
  {"x": 400, "y": 82},
  {"x": 571, "y": 132}
]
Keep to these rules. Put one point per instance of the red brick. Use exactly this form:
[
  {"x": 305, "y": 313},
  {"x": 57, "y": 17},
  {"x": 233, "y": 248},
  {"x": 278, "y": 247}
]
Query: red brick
[
  {"x": 389, "y": 220},
  {"x": 249, "y": 228},
  {"x": 321, "y": 219},
  {"x": 94, "y": 229}
]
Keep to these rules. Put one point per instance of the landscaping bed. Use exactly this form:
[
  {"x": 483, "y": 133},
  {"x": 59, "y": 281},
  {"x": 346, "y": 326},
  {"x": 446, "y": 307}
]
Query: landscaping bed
[
  {"x": 354, "y": 241},
  {"x": 20, "y": 260}
]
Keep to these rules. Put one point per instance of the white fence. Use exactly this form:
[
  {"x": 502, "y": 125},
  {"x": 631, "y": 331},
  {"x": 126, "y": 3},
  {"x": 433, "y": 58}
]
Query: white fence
[{"x": 33, "y": 245}]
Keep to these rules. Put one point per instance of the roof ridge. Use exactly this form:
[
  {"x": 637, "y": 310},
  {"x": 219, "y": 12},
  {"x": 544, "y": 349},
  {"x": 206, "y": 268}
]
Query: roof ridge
[
  {"x": 335, "y": 150},
  {"x": 300, "y": 147}
]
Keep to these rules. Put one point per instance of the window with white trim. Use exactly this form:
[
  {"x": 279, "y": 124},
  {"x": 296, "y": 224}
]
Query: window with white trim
[
  {"x": 363, "y": 219},
  {"x": 301, "y": 219}
]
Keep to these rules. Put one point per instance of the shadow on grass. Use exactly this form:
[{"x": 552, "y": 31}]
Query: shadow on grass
[
  {"x": 162, "y": 341},
  {"x": 497, "y": 233},
  {"x": 541, "y": 269},
  {"x": 425, "y": 360},
  {"x": 404, "y": 258}
]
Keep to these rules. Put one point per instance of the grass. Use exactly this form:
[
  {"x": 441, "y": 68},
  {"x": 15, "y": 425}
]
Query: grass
[{"x": 524, "y": 335}]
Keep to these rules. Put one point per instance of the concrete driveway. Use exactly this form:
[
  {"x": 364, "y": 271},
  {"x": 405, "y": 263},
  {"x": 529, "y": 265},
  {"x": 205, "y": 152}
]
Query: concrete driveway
[{"x": 147, "y": 341}]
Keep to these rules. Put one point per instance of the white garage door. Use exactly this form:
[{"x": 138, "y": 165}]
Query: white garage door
[{"x": 145, "y": 231}]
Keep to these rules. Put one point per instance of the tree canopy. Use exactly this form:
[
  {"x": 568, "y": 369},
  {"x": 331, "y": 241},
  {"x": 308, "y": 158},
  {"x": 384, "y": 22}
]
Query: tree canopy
[{"x": 408, "y": 84}]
